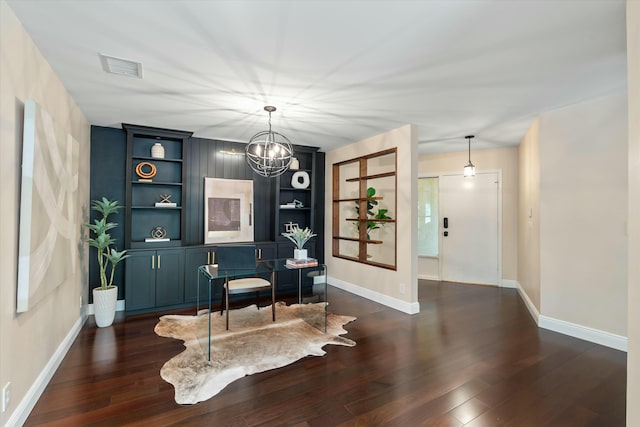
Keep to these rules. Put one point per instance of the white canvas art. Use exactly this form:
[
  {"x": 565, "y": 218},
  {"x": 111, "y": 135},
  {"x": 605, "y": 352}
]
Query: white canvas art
[
  {"x": 228, "y": 210},
  {"x": 49, "y": 230}
]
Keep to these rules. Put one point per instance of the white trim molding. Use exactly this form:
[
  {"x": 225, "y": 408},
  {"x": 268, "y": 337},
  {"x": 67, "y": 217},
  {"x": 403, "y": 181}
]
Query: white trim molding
[
  {"x": 527, "y": 301},
  {"x": 26, "y": 405},
  {"x": 508, "y": 283},
  {"x": 428, "y": 277},
  {"x": 396, "y": 304},
  {"x": 586, "y": 333}
]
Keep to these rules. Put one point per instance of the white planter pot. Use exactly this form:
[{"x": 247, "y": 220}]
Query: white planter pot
[
  {"x": 300, "y": 254},
  {"x": 104, "y": 305}
]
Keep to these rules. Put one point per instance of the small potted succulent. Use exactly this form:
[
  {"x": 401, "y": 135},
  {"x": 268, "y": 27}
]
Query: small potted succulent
[
  {"x": 299, "y": 237},
  {"x": 105, "y": 296}
]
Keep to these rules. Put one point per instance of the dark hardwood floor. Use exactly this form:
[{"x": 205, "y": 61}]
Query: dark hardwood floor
[{"x": 472, "y": 357}]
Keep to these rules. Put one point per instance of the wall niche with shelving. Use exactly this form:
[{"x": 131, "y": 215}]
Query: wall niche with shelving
[
  {"x": 364, "y": 209},
  {"x": 151, "y": 223}
]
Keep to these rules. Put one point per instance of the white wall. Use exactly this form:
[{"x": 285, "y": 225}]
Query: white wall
[
  {"x": 380, "y": 284},
  {"x": 503, "y": 159},
  {"x": 529, "y": 214},
  {"x": 29, "y": 342},
  {"x": 633, "y": 355},
  {"x": 583, "y": 214}
]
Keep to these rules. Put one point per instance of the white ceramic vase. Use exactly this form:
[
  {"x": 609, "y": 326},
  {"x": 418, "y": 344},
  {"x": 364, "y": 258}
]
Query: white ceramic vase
[
  {"x": 157, "y": 151},
  {"x": 295, "y": 164},
  {"x": 300, "y": 254},
  {"x": 104, "y": 305}
]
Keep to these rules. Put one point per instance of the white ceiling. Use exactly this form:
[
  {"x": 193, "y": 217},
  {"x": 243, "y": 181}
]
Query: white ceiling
[{"x": 338, "y": 71}]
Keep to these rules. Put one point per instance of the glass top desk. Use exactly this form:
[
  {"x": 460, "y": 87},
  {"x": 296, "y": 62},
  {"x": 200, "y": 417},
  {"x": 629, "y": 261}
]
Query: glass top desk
[{"x": 310, "y": 279}]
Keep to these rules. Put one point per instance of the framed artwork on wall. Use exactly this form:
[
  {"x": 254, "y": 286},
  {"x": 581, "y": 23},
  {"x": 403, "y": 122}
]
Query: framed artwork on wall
[
  {"x": 50, "y": 224},
  {"x": 228, "y": 210}
]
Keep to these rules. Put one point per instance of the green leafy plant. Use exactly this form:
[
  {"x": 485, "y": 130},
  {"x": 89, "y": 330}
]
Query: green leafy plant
[
  {"x": 299, "y": 236},
  {"x": 102, "y": 240},
  {"x": 381, "y": 214}
]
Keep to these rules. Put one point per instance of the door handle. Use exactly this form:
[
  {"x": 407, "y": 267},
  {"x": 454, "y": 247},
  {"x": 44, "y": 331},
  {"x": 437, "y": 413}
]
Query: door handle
[
  {"x": 446, "y": 222},
  {"x": 208, "y": 257},
  {"x": 158, "y": 262},
  {"x": 153, "y": 262}
]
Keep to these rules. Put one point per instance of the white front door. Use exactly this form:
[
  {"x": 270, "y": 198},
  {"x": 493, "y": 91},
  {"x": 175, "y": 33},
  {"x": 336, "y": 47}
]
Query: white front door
[{"x": 470, "y": 240}]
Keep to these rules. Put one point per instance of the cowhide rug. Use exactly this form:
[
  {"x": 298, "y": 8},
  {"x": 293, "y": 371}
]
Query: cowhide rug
[{"x": 252, "y": 344}]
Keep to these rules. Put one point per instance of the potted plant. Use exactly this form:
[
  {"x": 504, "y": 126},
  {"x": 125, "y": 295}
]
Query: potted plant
[
  {"x": 106, "y": 295},
  {"x": 299, "y": 237},
  {"x": 371, "y": 204}
]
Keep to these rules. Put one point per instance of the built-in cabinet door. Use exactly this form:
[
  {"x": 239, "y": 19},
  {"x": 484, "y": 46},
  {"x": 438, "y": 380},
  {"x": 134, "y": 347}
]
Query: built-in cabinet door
[
  {"x": 140, "y": 280},
  {"x": 169, "y": 277},
  {"x": 266, "y": 251},
  {"x": 154, "y": 279},
  {"x": 194, "y": 258}
]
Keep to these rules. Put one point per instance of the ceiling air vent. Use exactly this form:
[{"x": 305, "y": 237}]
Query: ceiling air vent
[{"x": 120, "y": 66}]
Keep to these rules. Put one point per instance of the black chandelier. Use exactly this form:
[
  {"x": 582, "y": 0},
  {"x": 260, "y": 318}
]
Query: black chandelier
[{"x": 269, "y": 153}]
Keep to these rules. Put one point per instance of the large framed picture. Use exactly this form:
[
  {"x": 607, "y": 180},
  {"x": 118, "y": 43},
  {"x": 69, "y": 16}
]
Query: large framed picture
[
  {"x": 50, "y": 222},
  {"x": 228, "y": 210}
]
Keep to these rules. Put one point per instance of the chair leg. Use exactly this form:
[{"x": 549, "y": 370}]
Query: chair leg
[
  {"x": 222, "y": 299},
  {"x": 226, "y": 306},
  {"x": 258, "y": 300},
  {"x": 273, "y": 297}
]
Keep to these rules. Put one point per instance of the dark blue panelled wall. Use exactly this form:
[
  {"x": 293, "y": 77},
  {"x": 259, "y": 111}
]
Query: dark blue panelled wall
[{"x": 203, "y": 158}]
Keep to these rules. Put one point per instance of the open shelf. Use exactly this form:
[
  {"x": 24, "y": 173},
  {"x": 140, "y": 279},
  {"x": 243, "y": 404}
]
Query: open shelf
[
  {"x": 168, "y": 178},
  {"x": 369, "y": 191}
]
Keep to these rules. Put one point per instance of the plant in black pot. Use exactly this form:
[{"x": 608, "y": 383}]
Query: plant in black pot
[{"x": 106, "y": 295}]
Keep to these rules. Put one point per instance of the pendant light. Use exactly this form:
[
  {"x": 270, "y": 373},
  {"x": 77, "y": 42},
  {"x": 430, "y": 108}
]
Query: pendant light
[
  {"x": 469, "y": 169},
  {"x": 269, "y": 153}
]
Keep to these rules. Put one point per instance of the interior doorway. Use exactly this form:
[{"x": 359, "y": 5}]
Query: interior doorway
[{"x": 470, "y": 228}]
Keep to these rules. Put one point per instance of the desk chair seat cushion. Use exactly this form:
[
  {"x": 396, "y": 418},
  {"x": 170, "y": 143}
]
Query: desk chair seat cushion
[{"x": 248, "y": 284}]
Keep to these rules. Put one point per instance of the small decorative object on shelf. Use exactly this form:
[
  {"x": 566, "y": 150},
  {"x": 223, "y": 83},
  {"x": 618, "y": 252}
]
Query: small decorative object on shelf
[
  {"x": 165, "y": 202},
  {"x": 295, "y": 164},
  {"x": 296, "y": 204},
  {"x": 301, "y": 263},
  {"x": 158, "y": 234},
  {"x": 289, "y": 226},
  {"x": 157, "y": 151},
  {"x": 299, "y": 237},
  {"x": 146, "y": 171},
  {"x": 300, "y": 180}
]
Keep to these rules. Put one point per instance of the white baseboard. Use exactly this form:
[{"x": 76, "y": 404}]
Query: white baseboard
[
  {"x": 530, "y": 306},
  {"x": 396, "y": 304},
  {"x": 22, "y": 411},
  {"x": 119, "y": 307},
  {"x": 427, "y": 277},
  {"x": 508, "y": 283},
  {"x": 586, "y": 333}
]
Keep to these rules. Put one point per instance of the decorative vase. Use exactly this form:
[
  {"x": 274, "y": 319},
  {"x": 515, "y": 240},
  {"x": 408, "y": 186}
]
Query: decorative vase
[
  {"x": 300, "y": 180},
  {"x": 104, "y": 305},
  {"x": 157, "y": 151},
  {"x": 300, "y": 254},
  {"x": 295, "y": 164}
]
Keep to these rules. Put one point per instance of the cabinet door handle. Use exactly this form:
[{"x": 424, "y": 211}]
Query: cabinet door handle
[
  {"x": 158, "y": 262},
  {"x": 153, "y": 262},
  {"x": 208, "y": 257}
]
